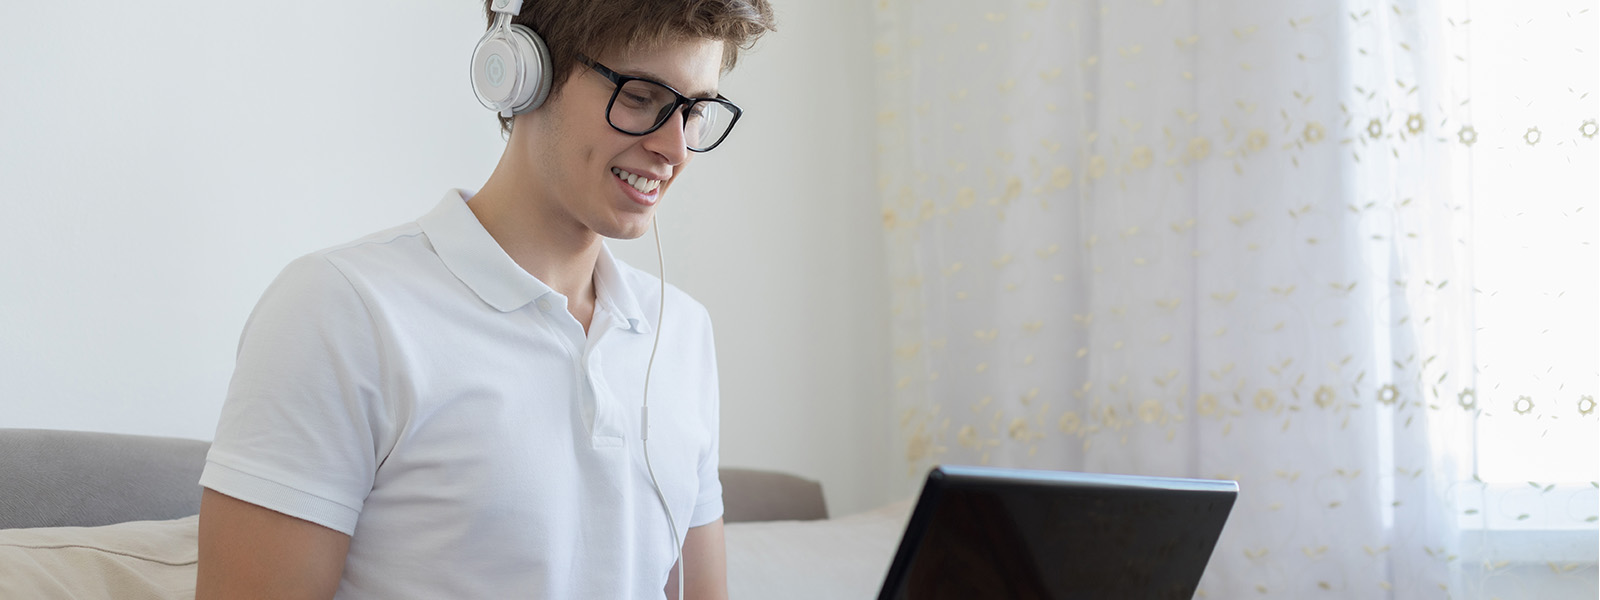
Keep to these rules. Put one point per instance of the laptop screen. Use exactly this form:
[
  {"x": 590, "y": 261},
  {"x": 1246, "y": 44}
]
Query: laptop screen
[{"x": 1008, "y": 533}]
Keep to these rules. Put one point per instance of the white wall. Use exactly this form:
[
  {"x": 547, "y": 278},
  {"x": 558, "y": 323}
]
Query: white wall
[{"x": 161, "y": 161}]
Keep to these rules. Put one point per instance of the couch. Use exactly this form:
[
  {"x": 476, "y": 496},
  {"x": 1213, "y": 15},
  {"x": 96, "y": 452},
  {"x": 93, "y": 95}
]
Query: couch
[{"x": 100, "y": 515}]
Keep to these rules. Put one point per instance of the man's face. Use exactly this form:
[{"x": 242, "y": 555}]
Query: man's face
[{"x": 580, "y": 154}]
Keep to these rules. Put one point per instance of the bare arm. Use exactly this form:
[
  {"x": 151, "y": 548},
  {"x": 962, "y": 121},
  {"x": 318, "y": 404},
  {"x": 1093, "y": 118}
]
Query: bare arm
[
  {"x": 247, "y": 551},
  {"x": 706, "y": 572}
]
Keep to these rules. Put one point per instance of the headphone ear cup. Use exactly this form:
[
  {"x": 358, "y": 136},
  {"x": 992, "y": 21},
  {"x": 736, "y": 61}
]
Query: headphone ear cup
[
  {"x": 535, "y": 63},
  {"x": 511, "y": 70}
]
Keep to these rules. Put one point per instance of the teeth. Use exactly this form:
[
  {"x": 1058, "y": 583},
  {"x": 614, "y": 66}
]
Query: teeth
[{"x": 641, "y": 183}]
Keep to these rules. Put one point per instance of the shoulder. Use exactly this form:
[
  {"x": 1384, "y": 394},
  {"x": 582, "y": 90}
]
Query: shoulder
[
  {"x": 398, "y": 244},
  {"x": 337, "y": 279},
  {"x": 345, "y": 267}
]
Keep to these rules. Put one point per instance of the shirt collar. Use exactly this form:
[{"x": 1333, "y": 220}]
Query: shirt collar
[
  {"x": 612, "y": 291},
  {"x": 467, "y": 249}
]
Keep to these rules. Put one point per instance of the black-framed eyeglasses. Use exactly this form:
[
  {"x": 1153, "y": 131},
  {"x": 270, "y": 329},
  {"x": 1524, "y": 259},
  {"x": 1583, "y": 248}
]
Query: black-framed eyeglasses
[{"x": 640, "y": 106}]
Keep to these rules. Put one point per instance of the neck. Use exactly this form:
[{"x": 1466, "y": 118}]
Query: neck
[{"x": 541, "y": 238}]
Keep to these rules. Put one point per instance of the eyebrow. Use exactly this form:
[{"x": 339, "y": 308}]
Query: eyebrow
[{"x": 658, "y": 78}]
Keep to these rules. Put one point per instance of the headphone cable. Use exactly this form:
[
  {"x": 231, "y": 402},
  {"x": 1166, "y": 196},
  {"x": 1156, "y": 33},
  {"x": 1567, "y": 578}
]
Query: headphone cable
[{"x": 644, "y": 411}]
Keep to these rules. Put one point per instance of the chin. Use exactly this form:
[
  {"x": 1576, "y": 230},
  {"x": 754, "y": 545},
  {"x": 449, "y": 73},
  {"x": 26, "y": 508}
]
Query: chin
[
  {"x": 625, "y": 229},
  {"x": 630, "y": 234}
]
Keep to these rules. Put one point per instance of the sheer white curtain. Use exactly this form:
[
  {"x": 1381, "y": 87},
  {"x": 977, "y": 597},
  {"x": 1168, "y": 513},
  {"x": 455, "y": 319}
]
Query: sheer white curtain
[{"x": 1206, "y": 239}]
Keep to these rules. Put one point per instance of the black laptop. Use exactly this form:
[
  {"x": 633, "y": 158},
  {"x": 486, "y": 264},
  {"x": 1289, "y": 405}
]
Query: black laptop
[{"x": 981, "y": 532}]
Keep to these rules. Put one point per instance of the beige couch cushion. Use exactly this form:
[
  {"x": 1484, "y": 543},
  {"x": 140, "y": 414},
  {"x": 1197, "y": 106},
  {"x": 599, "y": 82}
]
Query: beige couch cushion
[{"x": 137, "y": 560}]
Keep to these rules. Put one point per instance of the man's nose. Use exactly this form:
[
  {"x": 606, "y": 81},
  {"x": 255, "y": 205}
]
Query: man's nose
[{"x": 668, "y": 140}]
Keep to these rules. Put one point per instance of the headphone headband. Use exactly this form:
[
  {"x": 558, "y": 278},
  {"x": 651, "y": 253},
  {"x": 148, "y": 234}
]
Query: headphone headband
[{"x": 509, "y": 7}]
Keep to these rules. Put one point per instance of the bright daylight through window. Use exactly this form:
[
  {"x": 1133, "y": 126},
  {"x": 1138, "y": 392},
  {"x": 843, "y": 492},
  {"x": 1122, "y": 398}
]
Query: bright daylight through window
[{"x": 1534, "y": 190}]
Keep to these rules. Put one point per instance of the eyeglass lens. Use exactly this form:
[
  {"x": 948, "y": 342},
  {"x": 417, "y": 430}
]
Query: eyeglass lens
[{"x": 640, "y": 105}]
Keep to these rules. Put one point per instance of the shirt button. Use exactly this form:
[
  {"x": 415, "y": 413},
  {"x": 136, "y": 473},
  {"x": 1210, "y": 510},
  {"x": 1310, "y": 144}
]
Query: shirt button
[{"x": 544, "y": 305}]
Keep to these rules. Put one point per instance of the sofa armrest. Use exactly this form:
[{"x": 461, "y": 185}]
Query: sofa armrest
[
  {"x": 752, "y": 495},
  {"x": 76, "y": 478},
  {"x": 51, "y": 478}
]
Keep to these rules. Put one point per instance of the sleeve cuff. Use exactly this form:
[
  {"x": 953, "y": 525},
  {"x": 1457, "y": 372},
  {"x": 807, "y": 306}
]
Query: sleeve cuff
[
  {"x": 288, "y": 500},
  {"x": 706, "y": 512}
]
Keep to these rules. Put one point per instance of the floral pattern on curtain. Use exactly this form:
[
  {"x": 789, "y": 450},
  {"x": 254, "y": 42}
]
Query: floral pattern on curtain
[{"x": 1223, "y": 240}]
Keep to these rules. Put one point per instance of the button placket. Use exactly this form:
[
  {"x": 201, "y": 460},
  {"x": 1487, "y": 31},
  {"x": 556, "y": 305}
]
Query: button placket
[
  {"x": 552, "y": 307},
  {"x": 609, "y": 426}
]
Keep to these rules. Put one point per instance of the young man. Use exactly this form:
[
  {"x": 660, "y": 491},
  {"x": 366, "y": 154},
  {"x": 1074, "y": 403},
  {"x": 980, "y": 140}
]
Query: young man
[{"x": 451, "y": 408}]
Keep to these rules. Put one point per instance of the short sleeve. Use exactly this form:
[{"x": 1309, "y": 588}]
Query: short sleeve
[
  {"x": 708, "y": 505},
  {"x": 304, "y": 425}
]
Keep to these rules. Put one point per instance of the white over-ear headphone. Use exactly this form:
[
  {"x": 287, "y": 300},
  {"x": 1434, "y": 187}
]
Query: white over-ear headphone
[{"x": 510, "y": 65}]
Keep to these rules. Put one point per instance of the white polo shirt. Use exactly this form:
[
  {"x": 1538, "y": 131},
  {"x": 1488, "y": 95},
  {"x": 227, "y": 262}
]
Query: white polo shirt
[{"x": 419, "y": 391}]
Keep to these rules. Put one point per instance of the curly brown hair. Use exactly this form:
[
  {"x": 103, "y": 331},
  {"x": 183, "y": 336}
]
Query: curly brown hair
[{"x": 571, "y": 28}]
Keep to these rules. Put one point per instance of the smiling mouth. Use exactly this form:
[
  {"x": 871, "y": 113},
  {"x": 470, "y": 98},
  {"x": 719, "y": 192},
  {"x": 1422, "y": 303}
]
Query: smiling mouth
[{"x": 644, "y": 184}]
